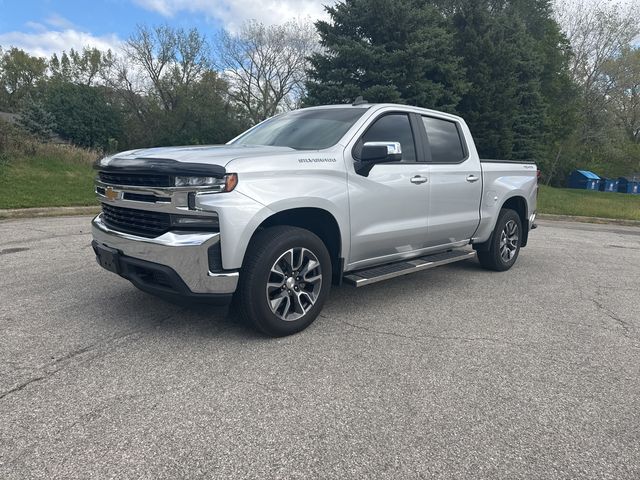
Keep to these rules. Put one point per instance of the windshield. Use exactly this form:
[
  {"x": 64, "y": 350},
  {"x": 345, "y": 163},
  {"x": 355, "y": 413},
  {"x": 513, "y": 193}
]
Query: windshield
[{"x": 303, "y": 129}]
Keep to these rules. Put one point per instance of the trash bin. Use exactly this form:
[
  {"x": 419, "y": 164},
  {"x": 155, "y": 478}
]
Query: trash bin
[
  {"x": 609, "y": 185},
  {"x": 583, "y": 179},
  {"x": 629, "y": 185}
]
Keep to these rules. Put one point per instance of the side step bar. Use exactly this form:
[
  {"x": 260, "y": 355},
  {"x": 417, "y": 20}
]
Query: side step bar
[{"x": 360, "y": 278}]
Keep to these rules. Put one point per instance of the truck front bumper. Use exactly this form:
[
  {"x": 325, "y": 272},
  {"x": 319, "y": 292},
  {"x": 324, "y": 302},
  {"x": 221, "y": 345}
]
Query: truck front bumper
[{"x": 173, "y": 264}]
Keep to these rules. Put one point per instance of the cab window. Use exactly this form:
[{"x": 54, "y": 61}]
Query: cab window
[
  {"x": 394, "y": 127},
  {"x": 444, "y": 140}
]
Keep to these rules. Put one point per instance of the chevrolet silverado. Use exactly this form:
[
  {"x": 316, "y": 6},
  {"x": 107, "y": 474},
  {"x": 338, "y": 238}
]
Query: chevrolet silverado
[{"x": 319, "y": 196}]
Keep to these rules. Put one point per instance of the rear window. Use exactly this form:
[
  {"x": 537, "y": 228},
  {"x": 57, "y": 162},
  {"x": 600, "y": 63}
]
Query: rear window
[{"x": 444, "y": 140}]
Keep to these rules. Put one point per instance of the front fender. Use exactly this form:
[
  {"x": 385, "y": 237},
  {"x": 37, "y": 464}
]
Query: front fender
[{"x": 259, "y": 197}]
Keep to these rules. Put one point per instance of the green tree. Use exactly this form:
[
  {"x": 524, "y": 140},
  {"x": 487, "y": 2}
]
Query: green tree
[
  {"x": 36, "y": 119},
  {"x": 557, "y": 87},
  {"x": 597, "y": 31},
  {"x": 204, "y": 116},
  {"x": 387, "y": 51},
  {"x": 168, "y": 91},
  {"x": 20, "y": 74},
  {"x": 82, "y": 114},
  {"x": 82, "y": 68},
  {"x": 622, "y": 78},
  {"x": 521, "y": 97}
]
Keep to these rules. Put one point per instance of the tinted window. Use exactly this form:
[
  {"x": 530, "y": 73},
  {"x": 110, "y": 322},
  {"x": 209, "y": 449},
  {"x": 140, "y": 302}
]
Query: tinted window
[
  {"x": 444, "y": 140},
  {"x": 303, "y": 129},
  {"x": 393, "y": 128}
]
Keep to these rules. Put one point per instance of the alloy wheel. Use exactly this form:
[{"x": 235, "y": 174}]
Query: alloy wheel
[
  {"x": 509, "y": 241},
  {"x": 294, "y": 283}
]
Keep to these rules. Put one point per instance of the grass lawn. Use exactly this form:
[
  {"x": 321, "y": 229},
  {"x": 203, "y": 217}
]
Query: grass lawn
[
  {"x": 45, "y": 182},
  {"x": 565, "y": 201}
]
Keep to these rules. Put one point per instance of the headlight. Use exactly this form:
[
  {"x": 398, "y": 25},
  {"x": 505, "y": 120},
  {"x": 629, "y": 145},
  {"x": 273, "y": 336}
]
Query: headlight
[
  {"x": 224, "y": 184},
  {"x": 198, "y": 181}
]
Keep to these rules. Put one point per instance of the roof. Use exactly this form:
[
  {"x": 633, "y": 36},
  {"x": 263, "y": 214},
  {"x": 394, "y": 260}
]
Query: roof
[
  {"x": 419, "y": 110},
  {"x": 588, "y": 174},
  {"x": 342, "y": 105}
]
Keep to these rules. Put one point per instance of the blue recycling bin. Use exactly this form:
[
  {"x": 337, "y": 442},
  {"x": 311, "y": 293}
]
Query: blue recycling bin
[
  {"x": 608, "y": 185},
  {"x": 629, "y": 185},
  {"x": 584, "y": 180}
]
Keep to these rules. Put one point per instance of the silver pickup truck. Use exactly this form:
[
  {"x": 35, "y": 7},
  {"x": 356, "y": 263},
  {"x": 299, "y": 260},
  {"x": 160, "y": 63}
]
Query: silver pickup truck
[{"x": 344, "y": 193}]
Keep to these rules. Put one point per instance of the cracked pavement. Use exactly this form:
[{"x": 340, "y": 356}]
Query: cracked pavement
[{"x": 450, "y": 373}]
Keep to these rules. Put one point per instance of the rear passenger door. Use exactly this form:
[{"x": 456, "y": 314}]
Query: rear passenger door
[{"x": 455, "y": 179}]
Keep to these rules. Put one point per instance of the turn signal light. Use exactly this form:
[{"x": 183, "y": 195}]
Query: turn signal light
[{"x": 231, "y": 180}]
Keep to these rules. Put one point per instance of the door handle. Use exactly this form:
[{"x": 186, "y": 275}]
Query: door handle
[
  {"x": 418, "y": 179},
  {"x": 472, "y": 178}
]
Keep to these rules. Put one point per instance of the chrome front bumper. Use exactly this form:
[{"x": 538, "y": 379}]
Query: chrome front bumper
[{"x": 184, "y": 252}]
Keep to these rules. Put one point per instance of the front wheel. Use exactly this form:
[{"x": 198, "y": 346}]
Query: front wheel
[
  {"x": 504, "y": 244},
  {"x": 285, "y": 280}
]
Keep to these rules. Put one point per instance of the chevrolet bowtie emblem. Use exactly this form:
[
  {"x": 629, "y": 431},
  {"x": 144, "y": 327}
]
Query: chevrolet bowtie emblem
[{"x": 111, "y": 194}]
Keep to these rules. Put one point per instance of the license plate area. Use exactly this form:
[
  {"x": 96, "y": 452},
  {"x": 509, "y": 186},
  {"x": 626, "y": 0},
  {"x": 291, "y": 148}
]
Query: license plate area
[{"x": 108, "y": 258}]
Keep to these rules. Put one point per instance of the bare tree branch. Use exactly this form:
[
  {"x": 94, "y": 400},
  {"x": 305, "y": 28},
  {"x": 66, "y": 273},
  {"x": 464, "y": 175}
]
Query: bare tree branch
[{"x": 265, "y": 65}]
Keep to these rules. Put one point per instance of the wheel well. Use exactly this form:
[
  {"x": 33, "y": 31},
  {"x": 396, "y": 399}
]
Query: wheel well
[
  {"x": 316, "y": 220},
  {"x": 519, "y": 205}
]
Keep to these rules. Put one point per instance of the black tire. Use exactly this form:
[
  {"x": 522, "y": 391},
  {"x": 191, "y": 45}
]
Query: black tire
[
  {"x": 267, "y": 247},
  {"x": 492, "y": 258}
]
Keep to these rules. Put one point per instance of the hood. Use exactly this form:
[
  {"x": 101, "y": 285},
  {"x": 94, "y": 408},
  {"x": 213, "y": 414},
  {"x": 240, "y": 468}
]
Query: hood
[{"x": 207, "y": 155}]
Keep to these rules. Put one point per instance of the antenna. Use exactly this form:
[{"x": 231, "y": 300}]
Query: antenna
[{"x": 359, "y": 101}]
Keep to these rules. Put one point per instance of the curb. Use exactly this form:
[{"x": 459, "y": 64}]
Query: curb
[
  {"x": 578, "y": 219},
  {"x": 47, "y": 212}
]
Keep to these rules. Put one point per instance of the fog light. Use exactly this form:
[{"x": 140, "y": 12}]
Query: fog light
[{"x": 184, "y": 221}]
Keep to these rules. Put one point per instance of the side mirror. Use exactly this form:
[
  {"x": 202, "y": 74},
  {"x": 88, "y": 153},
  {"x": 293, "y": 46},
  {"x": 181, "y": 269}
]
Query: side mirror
[{"x": 377, "y": 152}]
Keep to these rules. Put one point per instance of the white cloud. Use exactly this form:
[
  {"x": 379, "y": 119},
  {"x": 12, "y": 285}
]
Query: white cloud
[
  {"x": 36, "y": 26},
  {"x": 44, "y": 43},
  {"x": 58, "y": 21},
  {"x": 234, "y": 12}
]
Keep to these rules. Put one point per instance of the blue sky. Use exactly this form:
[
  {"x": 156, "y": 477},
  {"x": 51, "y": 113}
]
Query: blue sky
[
  {"x": 43, "y": 27},
  {"x": 46, "y": 26}
]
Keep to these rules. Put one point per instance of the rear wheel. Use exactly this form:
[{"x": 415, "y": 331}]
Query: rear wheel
[
  {"x": 285, "y": 280},
  {"x": 505, "y": 243}
]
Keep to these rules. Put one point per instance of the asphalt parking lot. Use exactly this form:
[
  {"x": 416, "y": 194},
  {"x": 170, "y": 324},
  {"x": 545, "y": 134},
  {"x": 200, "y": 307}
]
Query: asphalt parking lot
[{"x": 451, "y": 373}]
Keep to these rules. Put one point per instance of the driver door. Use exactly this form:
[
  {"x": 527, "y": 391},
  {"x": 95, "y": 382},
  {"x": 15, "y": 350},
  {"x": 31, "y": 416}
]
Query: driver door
[{"x": 388, "y": 207}]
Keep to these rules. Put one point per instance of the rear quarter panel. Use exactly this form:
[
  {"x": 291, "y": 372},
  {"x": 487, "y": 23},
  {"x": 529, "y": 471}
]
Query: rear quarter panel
[{"x": 502, "y": 181}]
